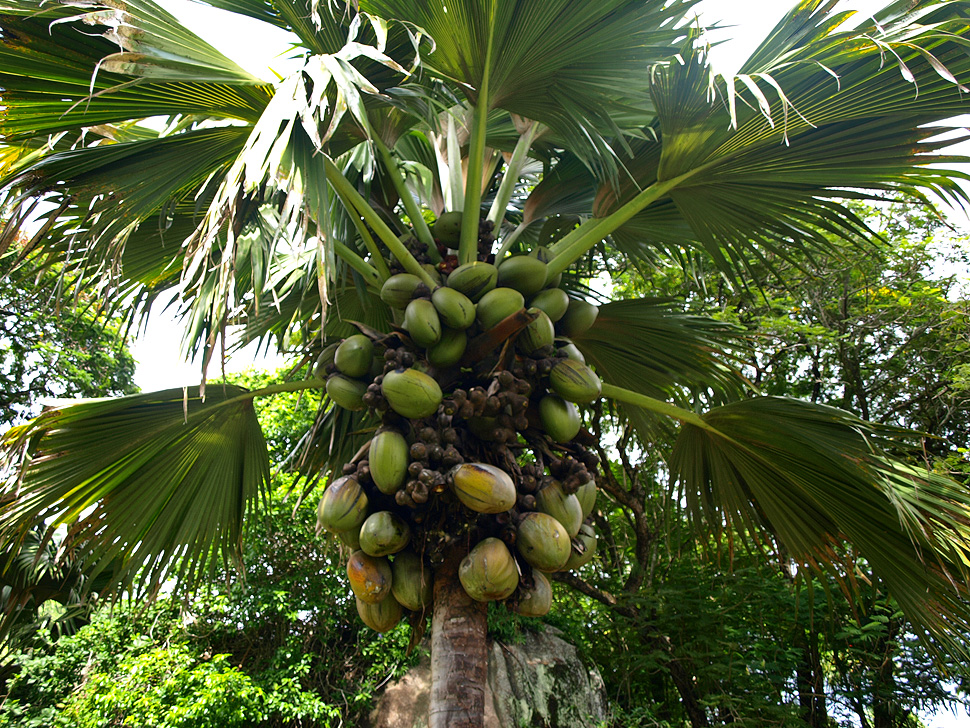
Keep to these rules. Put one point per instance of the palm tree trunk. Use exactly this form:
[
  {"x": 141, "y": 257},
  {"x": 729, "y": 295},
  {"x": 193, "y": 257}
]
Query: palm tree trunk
[{"x": 459, "y": 660}]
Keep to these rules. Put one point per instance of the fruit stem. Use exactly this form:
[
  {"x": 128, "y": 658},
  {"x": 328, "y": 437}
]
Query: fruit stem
[
  {"x": 380, "y": 265},
  {"x": 420, "y": 225},
  {"x": 512, "y": 171},
  {"x": 468, "y": 247},
  {"x": 577, "y": 242},
  {"x": 655, "y": 405},
  {"x": 370, "y": 274},
  {"x": 348, "y": 193}
]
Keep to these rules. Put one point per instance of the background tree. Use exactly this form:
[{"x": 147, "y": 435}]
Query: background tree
[
  {"x": 53, "y": 348},
  {"x": 305, "y": 195}
]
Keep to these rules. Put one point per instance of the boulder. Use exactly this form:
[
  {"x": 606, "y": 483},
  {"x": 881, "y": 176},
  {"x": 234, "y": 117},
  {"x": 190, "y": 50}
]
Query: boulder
[{"x": 539, "y": 682}]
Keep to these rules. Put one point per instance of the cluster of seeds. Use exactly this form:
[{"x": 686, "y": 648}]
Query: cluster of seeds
[{"x": 479, "y": 443}]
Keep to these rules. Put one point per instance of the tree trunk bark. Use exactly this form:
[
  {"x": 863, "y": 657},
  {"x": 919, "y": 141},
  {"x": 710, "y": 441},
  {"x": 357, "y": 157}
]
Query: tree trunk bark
[{"x": 459, "y": 660}]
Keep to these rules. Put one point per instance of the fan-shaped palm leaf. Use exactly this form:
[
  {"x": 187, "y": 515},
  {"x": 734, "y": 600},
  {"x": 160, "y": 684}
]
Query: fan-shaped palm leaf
[{"x": 97, "y": 468}]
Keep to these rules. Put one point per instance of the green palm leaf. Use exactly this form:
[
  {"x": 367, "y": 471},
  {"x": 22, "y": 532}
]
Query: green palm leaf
[
  {"x": 763, "y": 167},
  {"x": 572, "y": 66},
  {"x": 815, "y": 476},
  {"x": 149, "y": 486}
]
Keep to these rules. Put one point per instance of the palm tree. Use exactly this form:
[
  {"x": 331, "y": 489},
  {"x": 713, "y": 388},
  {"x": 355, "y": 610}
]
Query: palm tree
[{"x": 279, "y": 212}]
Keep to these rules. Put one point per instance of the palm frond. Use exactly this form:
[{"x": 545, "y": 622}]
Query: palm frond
[
  {"x": 816, "y": 477},
  {"x": 571, "y": 66},
  {"x": 149, "y": 486},
  {"x": 54, "y": 75},
  {"x": 649, "y": 346},
  {"x": 759, "y": 163}
]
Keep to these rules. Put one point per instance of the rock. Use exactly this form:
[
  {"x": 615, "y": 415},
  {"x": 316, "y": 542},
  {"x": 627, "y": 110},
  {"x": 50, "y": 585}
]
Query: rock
[{"x": 539, "y": 682}]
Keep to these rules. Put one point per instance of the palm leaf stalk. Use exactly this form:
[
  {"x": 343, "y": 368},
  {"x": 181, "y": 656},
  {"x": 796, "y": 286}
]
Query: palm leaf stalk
[{"x": 458, "y": 380}]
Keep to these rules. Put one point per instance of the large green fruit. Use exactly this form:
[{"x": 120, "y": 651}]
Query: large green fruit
[
  {"x": 545, "y": 255},
  {"x": 369, "y": 576},
  {"x": 325, "y": 359},
  {"x": 388, "y": 459},
  {"x": 587, "y": 497},
  {"x": 422, "y": 322},
  {"x": 411, "y": 393},
  {"x": 354, "y": 356},
  {"x": 489, "y": 572},
  {"x": 560, "y": 419},
  {"x": 584, "y": 549},
  {"x": 562, "y": 506},
  {"x": 538, "y": 334},
  {"x": 542, "y": 541},
  {"x": 483, "y": 488},
  {"x": 569, "y": 349},
  {"x": 346, "y": 392},
  {"x": 384, "y": 533},
  {"x": 575, "y": 382},
  {"x": 474, "y": 279},
  {"x": 455, "y": 308},
  {"x": 449, "y": 349},
  {"x": 537, "y": 601},
  {"x": 578, "y": 317},
  {"x": 554, "y": 301},
  {"x": 524, "y": 273},
  {"x": 412, "y": 581},
  {"x": 398, "y": 290},
  {"x": 447, "y": 228},
  {"x": 343, "y": 506},
  {"x": 380, "y": 617},
  {"x": 498, "y": 304}
]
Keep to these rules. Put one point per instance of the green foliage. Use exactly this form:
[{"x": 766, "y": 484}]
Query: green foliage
[
  {"x": 167, "y": 687},
  {"x": 62, "y": 348}
]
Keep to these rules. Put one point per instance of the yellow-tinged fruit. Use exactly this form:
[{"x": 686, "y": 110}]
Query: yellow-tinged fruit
[
  {"x": 447, "y": 228},
  {"x": 411, "y": 393},
  {"x": 388, "y": 459},
  {"x": 564, "y": 507},
  {"x": 575, "y": 382},
  {"x": 449, "y": 349},
  {"x": 412, "y": 581},
  {"x": 537, "y": 334},
  {"x": 583, "y": 548},
  {"x": 537, "y": 601},
  {"x": 579, "y": 316},
  {"x": 346, "y": 392},
  {"x": 524, "y": 273},
  {"x": 474, "y": 279},
  {"x": 369, "y": 576},
  {"x": 560, "y": 419},
  {"x": 554, "y": 301},
  {"x": 354, "y": 355},
  {"x": 483, "y": 488},
  {"x": 542, "y": 541},
  {"x": 455, "y": 308},
  {"x": 422, "y": 322},
  {"x": 384, "y": 533},
  {"x": 343, "y": 506},
  {"x": 489, "y": 572},
  {"x": 380, "y": 617},
  {"x": 398, "y": 290},
  {"x": 498, "y": 304}
]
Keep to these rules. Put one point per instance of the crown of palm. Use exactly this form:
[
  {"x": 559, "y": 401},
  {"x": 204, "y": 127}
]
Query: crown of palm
[{"x": 274, "y": 207}]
